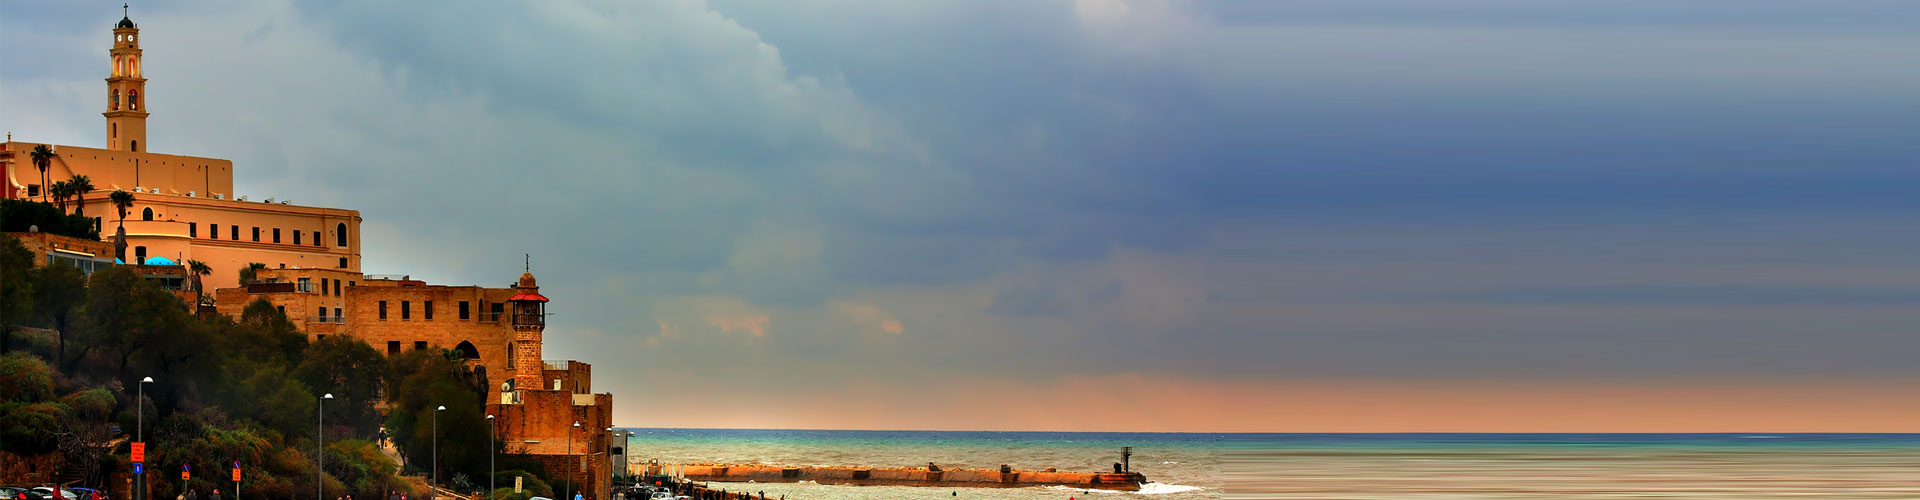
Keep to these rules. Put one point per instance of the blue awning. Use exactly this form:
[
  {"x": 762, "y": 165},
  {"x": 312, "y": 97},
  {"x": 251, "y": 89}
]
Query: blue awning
[{"x": 159, "y": 261}]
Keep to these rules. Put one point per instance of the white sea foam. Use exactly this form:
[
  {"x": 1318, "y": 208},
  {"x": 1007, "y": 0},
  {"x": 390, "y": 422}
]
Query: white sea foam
[
  {"x": 1161, "y": 488},
  {"x": 1145, "y": 489}
]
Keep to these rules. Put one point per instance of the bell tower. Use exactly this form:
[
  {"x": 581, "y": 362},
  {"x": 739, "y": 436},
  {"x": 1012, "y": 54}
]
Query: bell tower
[{"x": 126, "y": 112}]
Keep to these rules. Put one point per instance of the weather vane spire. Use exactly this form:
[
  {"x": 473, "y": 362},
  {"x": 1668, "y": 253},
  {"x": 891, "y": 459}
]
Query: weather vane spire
[{"x": 529, "y": 262}]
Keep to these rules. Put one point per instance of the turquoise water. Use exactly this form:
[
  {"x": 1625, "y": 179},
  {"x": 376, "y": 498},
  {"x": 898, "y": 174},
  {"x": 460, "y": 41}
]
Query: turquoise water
[{"x": 1342, "y": 466}]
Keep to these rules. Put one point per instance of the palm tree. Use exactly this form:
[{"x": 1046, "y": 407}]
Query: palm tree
[
  {"x": 81, "y": 185},
  {"x": 42, "y": 159},
  {"x": 250, "y": 273},
  {"x": 60, "y": 191},
  {"x": 122, "y": 201},
  {"x": 198, "y": 269}
]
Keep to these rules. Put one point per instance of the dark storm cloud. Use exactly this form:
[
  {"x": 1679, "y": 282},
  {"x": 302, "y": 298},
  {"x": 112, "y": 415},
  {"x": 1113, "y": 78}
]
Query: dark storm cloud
[{"x": 1235, "y": 189}]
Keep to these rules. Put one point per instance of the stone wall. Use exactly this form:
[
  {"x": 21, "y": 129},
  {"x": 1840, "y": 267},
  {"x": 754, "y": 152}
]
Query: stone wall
[{"x": 32, "y": 470}]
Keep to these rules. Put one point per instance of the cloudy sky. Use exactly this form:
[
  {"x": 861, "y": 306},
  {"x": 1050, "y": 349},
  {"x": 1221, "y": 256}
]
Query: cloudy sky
[{"x": 1499, "y": 215}]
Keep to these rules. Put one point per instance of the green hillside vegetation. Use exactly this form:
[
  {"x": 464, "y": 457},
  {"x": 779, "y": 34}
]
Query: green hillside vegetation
[{"x": 75, "y": 350}]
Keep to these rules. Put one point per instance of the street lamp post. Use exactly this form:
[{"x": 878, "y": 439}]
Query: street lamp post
[
  {"x": 491, "y": 434},
  {"x": 572, "y": 468},
  {"x": 609, "y": 459},
  {"x": 436, "y": 446},
  {"x": 140, "y": 434},
  {"x": 320, "y": 450}
]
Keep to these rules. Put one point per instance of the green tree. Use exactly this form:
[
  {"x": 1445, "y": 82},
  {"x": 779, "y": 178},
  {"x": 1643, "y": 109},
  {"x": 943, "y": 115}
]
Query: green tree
[
  {"x": 19, "y": 216},
  {"x": 59, "y": 290},
  {"x": 353, "y": 372},
  {"x": 81, "y": 185},
  {"x": 421, "y": 381},
  {"x": 42, "y": 157},
  {"x": 143, "y": 328},
  {"x": 16, "y": 287},
  {"x": 29, "y": 419}
]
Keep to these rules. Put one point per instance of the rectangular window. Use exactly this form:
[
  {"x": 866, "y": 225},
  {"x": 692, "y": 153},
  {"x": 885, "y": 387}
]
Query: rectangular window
[
  {"x": 393, "y": 347},
  {"x": 233, "y": 233},
  {"x": 316, "y": 240},
  {"x": 306, "y": 285},
  {"x": 276, "y": 235},
  {"x": 96, "y": 223},
  {"x": 426, "y": 309},
  {"x": 296, "y": 237},
  {"x": 139, "y": 256},
  {"x": 319, "y": 337},
  {"x": 213, "y": 231},
  {"x": 336, "y": 288},
  {"x": 383, "y": 309},
  {"x": 406, "y": 309},
  {"x": 343, "y": 262},
  {"x": 323, "y": 288},
  {"x": 33, "y": 190},
  {"x": 193, "y": 230},
  {"x": 419, "y": 345},
  {"x": 463, "y": 310},
  {"x": 322, "y": 313},
  {"x": 499, "y": 309},
  {"x": 256, "y": 234},
  {"x": 282, "y": 309},
  {"x": 336, "y": 312}
]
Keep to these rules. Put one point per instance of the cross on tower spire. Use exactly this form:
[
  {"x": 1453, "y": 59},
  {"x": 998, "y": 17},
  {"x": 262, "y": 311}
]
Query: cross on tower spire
[
  {"x": 529, "y": 262},
  {"x": 123, "y": 10}
]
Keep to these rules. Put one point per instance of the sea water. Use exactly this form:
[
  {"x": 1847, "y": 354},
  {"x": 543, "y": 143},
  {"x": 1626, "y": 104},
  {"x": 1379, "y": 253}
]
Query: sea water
[{"x": 1338, "y": 466}]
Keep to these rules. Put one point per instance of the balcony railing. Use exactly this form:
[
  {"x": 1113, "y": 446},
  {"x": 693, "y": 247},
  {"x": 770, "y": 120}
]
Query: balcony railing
[
  {"x": 338, "y": 320},
  {"x": 530, "y": 319}
]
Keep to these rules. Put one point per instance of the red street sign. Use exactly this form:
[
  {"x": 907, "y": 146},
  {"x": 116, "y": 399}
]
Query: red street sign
[
  {"x": 236, "y": 471},
  {"x": 184, "y": 471},
  {"x": 139, "y": 452}
]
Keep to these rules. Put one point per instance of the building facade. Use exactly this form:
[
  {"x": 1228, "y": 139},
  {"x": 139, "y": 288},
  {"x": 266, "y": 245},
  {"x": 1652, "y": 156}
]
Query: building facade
[
  {"x": 184, "y": 207},
  {"x": 499, "y": 331}
]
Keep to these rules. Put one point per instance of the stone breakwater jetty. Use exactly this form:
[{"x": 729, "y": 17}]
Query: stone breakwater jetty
[{"x": 911, "y": 476}]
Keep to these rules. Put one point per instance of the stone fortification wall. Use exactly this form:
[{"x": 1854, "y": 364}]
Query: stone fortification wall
[{"x": 912, "y": 476}]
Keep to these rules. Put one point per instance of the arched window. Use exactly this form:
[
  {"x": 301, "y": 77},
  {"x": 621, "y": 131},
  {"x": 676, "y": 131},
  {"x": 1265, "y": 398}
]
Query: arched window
[
  {"x": 136, "y": 146},
  {"x": 114, "y": 129},
  {"x": 133, "y": 99},
  {"x": 466, "y": 350},
  {"x": 113, "y": 101},
  {"x": 340, "y": 235},
  {"x": 146, "y": 213}
]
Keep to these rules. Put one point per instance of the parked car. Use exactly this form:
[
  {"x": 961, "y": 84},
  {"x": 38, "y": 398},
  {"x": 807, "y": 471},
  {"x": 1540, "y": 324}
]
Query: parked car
[
  {"x": 87, "y": 493},
  {"x": 13, "y": 493},
  {"x": 46, "y": 493}
]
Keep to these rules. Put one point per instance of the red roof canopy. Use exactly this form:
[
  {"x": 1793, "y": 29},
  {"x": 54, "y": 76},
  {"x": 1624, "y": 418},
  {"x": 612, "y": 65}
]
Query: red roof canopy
[{"x": 527, "y": 296}]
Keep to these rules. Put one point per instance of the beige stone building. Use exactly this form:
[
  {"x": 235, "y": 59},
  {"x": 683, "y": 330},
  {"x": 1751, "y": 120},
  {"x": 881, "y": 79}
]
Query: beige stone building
[{"x": 185, "y": 207}]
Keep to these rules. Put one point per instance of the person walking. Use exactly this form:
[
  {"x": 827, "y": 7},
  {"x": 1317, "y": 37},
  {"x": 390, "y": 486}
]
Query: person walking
[{"x": 216, "y": 494}]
